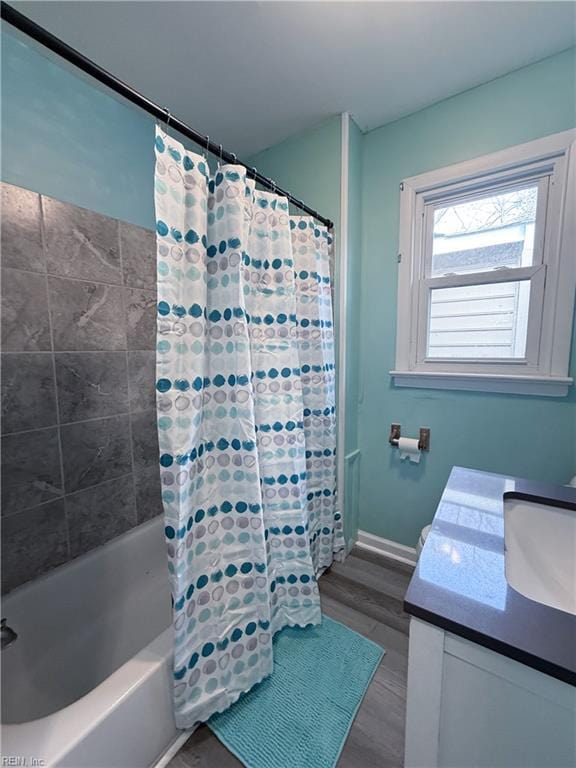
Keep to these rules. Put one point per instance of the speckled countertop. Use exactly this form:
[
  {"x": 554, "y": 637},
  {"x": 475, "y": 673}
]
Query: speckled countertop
[{"x": 460, "y": 584}]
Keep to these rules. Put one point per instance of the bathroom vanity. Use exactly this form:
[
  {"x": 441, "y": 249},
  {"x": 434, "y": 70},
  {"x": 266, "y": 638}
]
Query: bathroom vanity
[{"x": 492, "y": 667}]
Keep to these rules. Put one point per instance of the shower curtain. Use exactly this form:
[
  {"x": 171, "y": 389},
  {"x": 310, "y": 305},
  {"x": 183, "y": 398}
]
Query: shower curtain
[{"x": 246, "y": 422}]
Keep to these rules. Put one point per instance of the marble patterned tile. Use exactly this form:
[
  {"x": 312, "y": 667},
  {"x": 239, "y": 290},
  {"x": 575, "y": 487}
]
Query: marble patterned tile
[
  {"x": 25, "y": 321},
  {"x": 91, "y": 384},
  {"x": 99, "y": 514},
  {"x": 142, "y": 380},
  {"x": 33, "y": 541},
  {"x": 86, "y": 316},
  {"x": 148, "y": 494},
  {"x": 80, "y": 243},
  {"x": 140, "y": 318},
  {"x": 28, "y": 391},
  {"x": 144, "y": 439},
  {"x": 138, "y": 248},
  {"x": 21, "y": 238},
  {"x": 30, "y": 470},
  {"x": 95, "y": 451}
]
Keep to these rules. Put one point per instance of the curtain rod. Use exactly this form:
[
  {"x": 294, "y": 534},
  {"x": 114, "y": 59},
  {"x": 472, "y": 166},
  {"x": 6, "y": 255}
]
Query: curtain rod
[{"x": 53, "y": 43}]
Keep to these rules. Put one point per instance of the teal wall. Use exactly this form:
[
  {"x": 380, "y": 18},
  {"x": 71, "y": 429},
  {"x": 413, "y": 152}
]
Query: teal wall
[
  {"x": 498, "y": 433},
  {"x": 308, "y": 166},
  {"x": 63, "y": 135}
]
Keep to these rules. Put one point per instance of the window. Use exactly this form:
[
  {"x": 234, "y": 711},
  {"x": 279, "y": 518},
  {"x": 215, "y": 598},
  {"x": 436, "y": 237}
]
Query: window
[{"x": 487, "y": 272}]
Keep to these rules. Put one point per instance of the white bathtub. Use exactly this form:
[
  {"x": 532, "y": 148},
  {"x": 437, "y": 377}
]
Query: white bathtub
[{"x": 87, "y": 684}]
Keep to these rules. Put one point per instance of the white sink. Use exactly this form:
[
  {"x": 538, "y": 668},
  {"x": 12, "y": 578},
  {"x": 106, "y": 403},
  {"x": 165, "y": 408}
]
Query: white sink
[{"x": 540, "y": 541}]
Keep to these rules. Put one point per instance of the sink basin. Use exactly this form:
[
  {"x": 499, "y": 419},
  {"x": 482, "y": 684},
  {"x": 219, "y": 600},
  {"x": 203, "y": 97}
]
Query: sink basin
[{"x": 540, "y": 541}]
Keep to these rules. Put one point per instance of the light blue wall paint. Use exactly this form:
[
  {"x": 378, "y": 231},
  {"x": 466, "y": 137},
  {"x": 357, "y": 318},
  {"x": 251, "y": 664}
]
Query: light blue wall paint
[
  {"x": 498, "y": 433},
  {"x": 308, "y": 166},
  {"x": 65, "y": 136}
]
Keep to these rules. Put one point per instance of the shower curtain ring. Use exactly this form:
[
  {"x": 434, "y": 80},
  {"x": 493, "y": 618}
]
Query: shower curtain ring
[{"x": 166, "y": 120}]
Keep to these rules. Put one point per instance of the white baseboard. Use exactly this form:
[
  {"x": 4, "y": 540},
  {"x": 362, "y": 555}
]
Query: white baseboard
[
  {"x": 387, "y": 548},
  {"x": 174, "y": 747}
]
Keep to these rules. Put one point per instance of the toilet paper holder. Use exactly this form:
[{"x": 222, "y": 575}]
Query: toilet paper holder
[{"x": 423, "y": 440}]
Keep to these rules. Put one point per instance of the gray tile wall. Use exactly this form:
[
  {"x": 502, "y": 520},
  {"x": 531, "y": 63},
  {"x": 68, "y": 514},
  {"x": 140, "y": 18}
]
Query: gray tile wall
[{"x": 79, "y": 446}]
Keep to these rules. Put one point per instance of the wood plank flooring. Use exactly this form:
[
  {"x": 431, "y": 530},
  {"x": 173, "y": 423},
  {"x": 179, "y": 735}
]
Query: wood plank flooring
[{"x": 365, "y": 593}]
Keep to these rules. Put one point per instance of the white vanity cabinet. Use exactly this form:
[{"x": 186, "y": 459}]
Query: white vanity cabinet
[{"x": 470, "y": 707}]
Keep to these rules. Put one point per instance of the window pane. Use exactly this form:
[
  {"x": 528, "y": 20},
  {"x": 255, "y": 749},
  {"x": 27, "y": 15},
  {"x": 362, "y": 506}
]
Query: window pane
[
  {"x": 485, "y": 233},
  {"x": 479, "y": 321}
]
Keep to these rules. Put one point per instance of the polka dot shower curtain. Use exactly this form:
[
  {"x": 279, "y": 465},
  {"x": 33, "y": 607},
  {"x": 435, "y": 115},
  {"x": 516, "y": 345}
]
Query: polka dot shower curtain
[{"x": 246, "y": 423}]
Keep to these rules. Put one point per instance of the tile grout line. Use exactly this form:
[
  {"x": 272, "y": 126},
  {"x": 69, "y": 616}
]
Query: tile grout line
[
  {"x": 128, "y": 389},
  {"x": 77, "y": 207},
  {"x": 62, "y": 497},
  {"x": 102, "y": 482},
  {"x": 80, "y": 421},
  {"x": 74, "y": 279},
  {"x": 128, "y": 294},
  {"x": 55, "y": 378},
  {"x": 24, "y": 510},
  {"x": 29, "y": 431},
  {"x": 75, "y": 351}
]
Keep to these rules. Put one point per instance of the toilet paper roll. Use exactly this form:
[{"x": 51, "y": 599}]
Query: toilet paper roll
[{"x": 408, "y": 447}]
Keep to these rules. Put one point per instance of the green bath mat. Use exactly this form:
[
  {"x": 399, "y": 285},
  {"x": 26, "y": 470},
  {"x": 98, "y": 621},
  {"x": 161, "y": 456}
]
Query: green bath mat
[{"x": 299, "y": 717}]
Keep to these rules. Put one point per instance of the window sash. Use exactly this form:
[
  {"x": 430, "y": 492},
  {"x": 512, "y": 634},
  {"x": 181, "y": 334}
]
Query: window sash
[
  {"x": 503, "y": 275},
  {"x": 542, "y": 181},
  {"x": 534, "y": 275}
]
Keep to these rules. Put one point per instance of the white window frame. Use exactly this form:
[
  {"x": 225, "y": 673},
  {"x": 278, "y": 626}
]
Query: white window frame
[{"x": 544, "y": 369}]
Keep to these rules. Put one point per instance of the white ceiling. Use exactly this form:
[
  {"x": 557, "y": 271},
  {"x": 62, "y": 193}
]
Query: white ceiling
[{"x": 253, "y": 73}]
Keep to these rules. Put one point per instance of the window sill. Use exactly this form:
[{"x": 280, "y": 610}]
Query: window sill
[{"x": 548, "y": 386}]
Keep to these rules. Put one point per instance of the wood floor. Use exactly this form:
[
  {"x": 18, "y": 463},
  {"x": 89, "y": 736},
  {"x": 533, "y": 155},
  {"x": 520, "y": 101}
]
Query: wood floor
[{"x": 365, "y": 593}]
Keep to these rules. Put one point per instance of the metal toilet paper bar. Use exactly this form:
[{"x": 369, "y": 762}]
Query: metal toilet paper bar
[{"x": 396, "y": 433}]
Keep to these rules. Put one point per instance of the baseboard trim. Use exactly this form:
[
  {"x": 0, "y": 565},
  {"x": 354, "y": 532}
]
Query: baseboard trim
[{"x": 386, "y": 548}]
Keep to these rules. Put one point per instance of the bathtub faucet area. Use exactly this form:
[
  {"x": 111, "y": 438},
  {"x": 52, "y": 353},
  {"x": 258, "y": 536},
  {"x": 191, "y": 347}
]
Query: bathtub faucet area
[
  {"x": 105, "y": 619},
  {"x": 7, "y": 635}
]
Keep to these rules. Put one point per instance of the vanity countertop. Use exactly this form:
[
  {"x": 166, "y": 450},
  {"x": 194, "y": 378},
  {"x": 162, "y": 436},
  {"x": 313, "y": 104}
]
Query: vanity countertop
[{"x": 460, "y": 584}]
